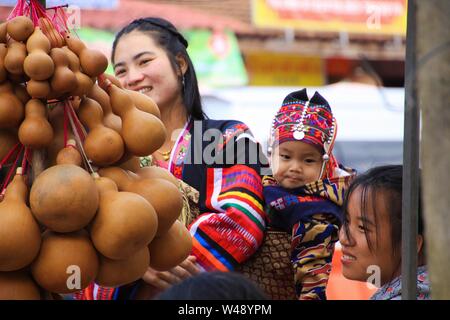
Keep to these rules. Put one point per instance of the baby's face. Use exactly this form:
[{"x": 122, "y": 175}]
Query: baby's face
[{"x": 296, "y": 163}]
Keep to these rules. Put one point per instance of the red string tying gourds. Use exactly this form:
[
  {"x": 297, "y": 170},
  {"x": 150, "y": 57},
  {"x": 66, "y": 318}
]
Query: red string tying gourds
[
  {"x": 8, "y": 155},
  {"x": 25, "y": 160},
  {"x": 59, "y": 18},
  {"x": 11, "y": 171},
  {"x": 31, "y": 8}
]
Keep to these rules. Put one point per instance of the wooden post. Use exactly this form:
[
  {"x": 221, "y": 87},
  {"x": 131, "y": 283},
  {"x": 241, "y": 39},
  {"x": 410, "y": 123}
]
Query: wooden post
[
  {"x": 433, "y": 40},
  {"x": 411, "y": 145}
]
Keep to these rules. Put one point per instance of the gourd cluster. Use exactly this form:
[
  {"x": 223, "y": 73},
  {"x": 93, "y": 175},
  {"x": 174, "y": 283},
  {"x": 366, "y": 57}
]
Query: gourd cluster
[{"x": 93, "y": 213}]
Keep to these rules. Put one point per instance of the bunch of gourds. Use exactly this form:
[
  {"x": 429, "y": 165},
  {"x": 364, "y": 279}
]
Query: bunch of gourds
[{"x": 93, "y": 212}]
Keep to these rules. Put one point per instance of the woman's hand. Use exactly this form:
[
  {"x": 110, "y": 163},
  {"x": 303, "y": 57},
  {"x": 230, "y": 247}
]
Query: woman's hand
[{"x": 165, "y": 279}]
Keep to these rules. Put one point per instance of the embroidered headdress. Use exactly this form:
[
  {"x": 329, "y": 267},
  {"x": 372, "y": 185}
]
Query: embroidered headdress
[{"x": 306, "y": 120}]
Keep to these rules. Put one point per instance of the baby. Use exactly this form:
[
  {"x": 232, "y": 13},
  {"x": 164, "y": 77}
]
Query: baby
[{"x": 305, "y": 194}]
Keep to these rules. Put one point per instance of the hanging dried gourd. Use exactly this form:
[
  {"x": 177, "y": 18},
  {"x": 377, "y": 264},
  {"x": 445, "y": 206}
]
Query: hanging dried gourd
[
  {"x": 64, "y": 198},
  {"x": 125, "y": 222},
  {"x": 170, "y": 249},
  {"x": 62, "y": 255},
  {"x": 142, "y": 132},
  {"x": 19, "y": 231}
]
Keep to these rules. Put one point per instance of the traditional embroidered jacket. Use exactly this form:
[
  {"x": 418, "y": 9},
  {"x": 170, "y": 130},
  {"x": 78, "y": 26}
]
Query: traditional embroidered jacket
[
  {"x": 312, "y": 214},
  {"x": 227, "y": 174},
  {"x": 393, "y": 289}
]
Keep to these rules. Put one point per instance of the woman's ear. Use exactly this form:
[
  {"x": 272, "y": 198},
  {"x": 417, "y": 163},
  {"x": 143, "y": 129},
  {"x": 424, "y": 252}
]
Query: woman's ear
[
  {"x": 182, "y": 63},
  {"x": 419, "y": 244}
]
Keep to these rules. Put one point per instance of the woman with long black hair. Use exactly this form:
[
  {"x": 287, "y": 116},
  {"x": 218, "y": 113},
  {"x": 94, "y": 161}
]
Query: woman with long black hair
[{"x": 218, "y": 160}]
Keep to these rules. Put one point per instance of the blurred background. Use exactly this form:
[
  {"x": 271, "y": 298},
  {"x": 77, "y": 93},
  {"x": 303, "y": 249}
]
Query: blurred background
[{"x": 249, "y": 54}]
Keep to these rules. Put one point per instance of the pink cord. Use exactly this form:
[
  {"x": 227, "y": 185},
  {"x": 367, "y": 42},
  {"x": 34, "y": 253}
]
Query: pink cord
[
  {"x": 77, "y": 123},
  {"x": 24, "y": 160},
  {"x": 11, "y": 171},
  {"x": 66, "y": 122},
  {"x": 10, "y": 153}
]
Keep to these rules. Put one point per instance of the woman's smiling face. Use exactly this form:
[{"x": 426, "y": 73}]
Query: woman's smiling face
[
  {"x": 142, "y": 65},
  {"x": 359, "y": 260}
]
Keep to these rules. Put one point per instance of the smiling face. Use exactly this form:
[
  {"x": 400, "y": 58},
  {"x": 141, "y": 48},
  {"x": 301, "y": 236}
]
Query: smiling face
[
  {"x": 296, "y": 163},
  {"x": 357, "y": 257},
  {"x": 141, "y": 65}
]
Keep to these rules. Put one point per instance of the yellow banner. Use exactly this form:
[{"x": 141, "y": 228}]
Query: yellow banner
[
  {"x": 278, "y": 69},
  {"x": 353, "y": 16}
]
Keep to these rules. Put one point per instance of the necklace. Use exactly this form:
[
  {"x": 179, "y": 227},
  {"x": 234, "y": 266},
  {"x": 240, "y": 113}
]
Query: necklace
[{"x": 165, "y": 155}]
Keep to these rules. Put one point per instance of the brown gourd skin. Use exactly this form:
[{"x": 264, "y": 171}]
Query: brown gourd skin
[
  {"x": 99, "y": 95},
  {"x": 3, "y": 32},
  {"x": 20, "y": 91},
  {"x": 8, "y": 139},
  {"x": 11, "y": 108},
  {"x": 20, "y": 28},
  {"x": 69, "y": 154},
  {"x": 38, "y": 65},
  {"x": 170, "y": 249},
  {"x": 18, "y": 78},
  {"x": 93, "y": 62},
  {"x": 102, "y": 145},
  {"x": 15, "y": 57},
  {"x": 133, "y": 164},
  {"x": 75, "y": 102},
  {"x": 56, "y": 119},
  {"x": 144, "y": 103},
  {"x": 125, "y": 222},
  {"x": 74, "y": 61},
  {"x": 114, "y": 273},
  {"x": 156, "y": 172},
  {"x": 162, "y": 194},
  {"x": 110, "y": 120},
  {"x": 38, "y": 89},
  {"x": 63, "y": 80},
  {"x": 113, "y": 79},
  {"x": 165, "y": 198},
  {"x": 35, "y": 131},
  {"x": 127, "y": 155},
  {"x": 3, "y": 72},
  {"x": 18, "y": 285},
  {"x": 120, "y": 177},
  {"x": 19, "y": 231},
  {"x": 84, "y": 82},
  {"x": 64, "y": 198},
  {"x": 143, "y": 133},
  {"x": 60, "y": 251}
]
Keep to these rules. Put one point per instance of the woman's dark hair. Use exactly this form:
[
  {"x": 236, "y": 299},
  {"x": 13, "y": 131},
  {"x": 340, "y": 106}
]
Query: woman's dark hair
[
  {"x": 167, "y": 36},
  {"x": 382, "y": 181},
  {"x": 214, "y": 286}
]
